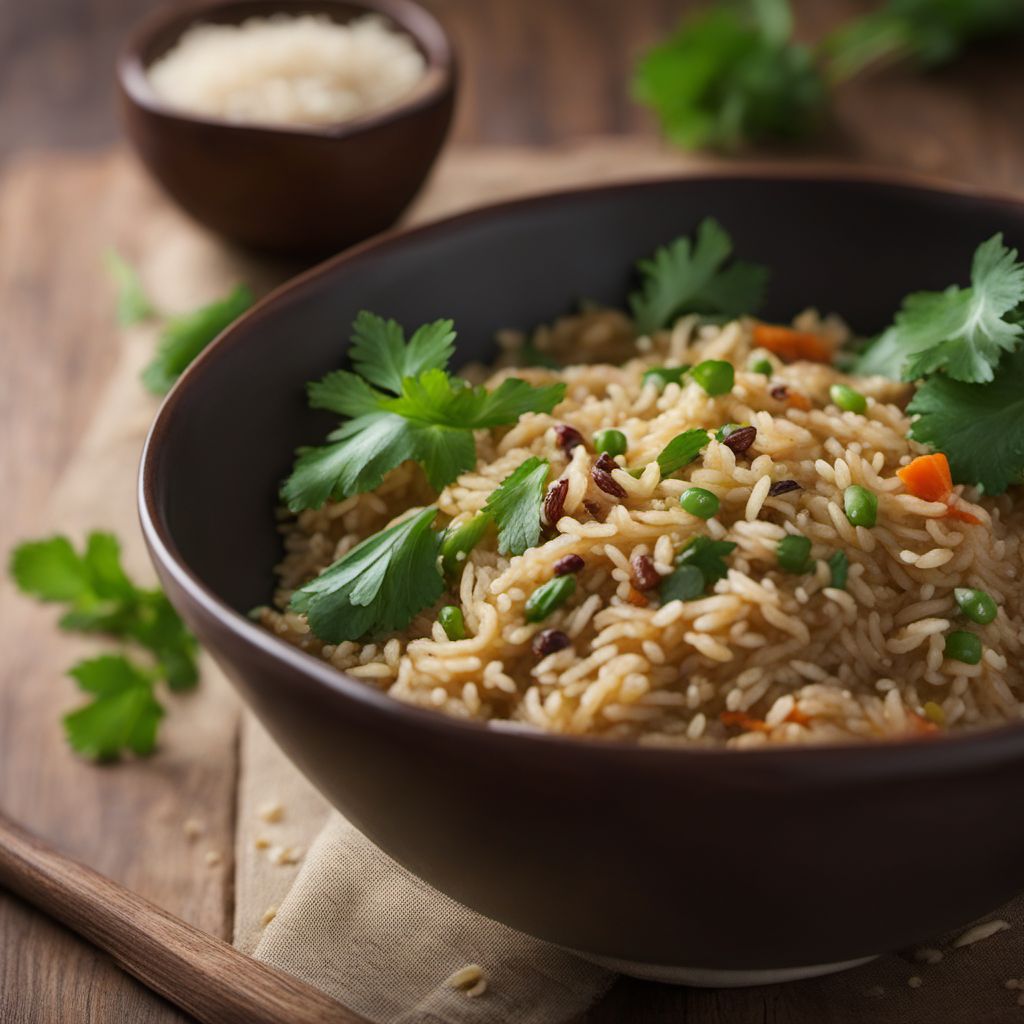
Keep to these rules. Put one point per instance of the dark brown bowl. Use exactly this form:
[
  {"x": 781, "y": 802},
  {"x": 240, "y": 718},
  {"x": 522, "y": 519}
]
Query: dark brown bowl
[
  {"x": 727, "y": 861},
  {"x": 289, "y": 189}
]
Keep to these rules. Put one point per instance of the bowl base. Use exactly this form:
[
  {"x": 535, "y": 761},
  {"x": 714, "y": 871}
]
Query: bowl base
[{"x": 704, "y": 977}]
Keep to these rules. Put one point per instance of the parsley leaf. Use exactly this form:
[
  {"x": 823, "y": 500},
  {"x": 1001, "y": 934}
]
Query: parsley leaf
[
  {"x": 729, "y": 76},
  {"x": 378, "y": 586},
  {"x": 963, "y": 331},
  {"x": 980, "y": 427},
  {"x": 428, "y": 417},
  {"x": 100, "y": 598},
  {"x": 681, "y": 451},
  {"x": 186, "y": 335},
  {"x": 123, "y": 714},
  {"x": 707, "y": 555},
  {"x": 516, "y": 504},
  {"x": 686, "y": 277},
  {"x": 133, "y": 304}
]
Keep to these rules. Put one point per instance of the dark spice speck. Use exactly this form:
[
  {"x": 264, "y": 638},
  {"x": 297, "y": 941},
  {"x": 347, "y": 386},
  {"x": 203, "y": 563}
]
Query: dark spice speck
[
  {"x": 568, "y": 564},
  {"x": 602, "y": 476},
  {"x": 554, "y": 501},
  {"x": 643, "y": 574},
  {"x": 780, "y": 392},
  {"x": 568, "y": 437},
  {"x": 783, "y": 487},
  {"x": 740, "y": 440},
  {"x": 547, "y": 641}
]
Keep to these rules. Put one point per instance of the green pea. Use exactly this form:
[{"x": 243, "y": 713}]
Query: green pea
[
  {"x": 452, "y": 622},
  {"x": 963, "y": 646},
  {"x": 458, "y": 542},
  {"x": 861, "y": 506},
  {"x": 839, "y": 564},
  {"x": 976, "y": 605},
  {"x": 699, "y": 502},
  {"x": 762, "y": 366},
  {"x": 684, "y": 584},
  {"x": 715, "y": 376},
  {"x": 794, "y": 554},
  {"x": 611, "y": 441},
  {"x": 847, "y": 398},
  {"x": 662, "y": 375},
  {"x": 549, "y": 596}
]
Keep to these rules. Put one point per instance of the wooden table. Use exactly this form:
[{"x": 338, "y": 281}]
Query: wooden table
[{"x": 534, "y": 71}]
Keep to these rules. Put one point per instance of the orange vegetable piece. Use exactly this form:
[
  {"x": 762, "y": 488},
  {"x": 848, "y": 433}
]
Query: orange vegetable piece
[
  {"x": 635, "y": 597},
  {"x": 797, "y": 716},
  {"x": 787, "y": 343},
  {"x": 744, "y": 721},
  {"x": 928, "y": 477},
  {"x": 798, "y": 401},
  {"x": 953, "y": 512}
]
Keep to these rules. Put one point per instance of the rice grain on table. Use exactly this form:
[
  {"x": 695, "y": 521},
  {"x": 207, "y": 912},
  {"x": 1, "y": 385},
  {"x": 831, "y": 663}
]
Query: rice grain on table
[{"x": 766, "y": 656}]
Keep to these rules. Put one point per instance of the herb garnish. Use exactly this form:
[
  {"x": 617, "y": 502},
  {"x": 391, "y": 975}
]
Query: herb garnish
[
  {"x": 100, "y": 598},
  {"x": 681, "y": 451},
  {"x": 699, "y": 566},
  {"x": 963, "y": 345},
  {"x": 516, "y": 506},
  {"x": 133, "y": 304},
  {"x": 692, "y": 277},
  {"x": 417, "y": 411}
]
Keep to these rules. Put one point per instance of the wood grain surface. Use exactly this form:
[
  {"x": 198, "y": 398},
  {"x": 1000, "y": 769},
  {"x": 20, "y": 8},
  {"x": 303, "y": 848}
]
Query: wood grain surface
[{"x": 535, "y": 71}]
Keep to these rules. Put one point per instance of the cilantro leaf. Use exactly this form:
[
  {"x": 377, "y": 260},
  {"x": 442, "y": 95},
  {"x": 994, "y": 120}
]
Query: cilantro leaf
[
  {"x": 728, "y": 76},
  {"x": 681, "y": 451},
  {"x": 963, "y": 331},
  {"x": 686, "y": 277},
  {"x": 429, "y": 419},
  {"x": 516, "y": 504},
  {"x": 381, "y": 354},
  {"x": 186, "y": 335},
  {"x": 980, "y": 427},
  {"x": 378, "y": 586},
  {"x": 133, "y": 304},
  {"x": 707, "y": 555},
  {"x": 123, "y": 714}
]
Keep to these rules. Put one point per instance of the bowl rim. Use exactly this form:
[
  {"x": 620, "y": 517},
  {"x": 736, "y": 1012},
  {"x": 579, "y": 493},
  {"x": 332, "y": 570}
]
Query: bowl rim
[
  {"x": 412, "y": 18},
  {"x": 913, "y": 756}
]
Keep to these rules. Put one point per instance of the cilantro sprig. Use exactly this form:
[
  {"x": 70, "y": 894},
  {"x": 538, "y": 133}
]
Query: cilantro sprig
[
  {"x": 99, "y": 598},
  {"x": 402, "y": 405},
  {"x": 696, "y": 277},
  {"x": 133, "y": 304},
  {"x": 515, "y": 506}
]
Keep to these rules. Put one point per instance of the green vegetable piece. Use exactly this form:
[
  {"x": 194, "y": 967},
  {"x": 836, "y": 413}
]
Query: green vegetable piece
[
  {"x": 707, "y": 555},
  {"x": 723, "y": 432},
  {"x": 980, "y": 427},
  {"x": 794, "y": 554},
  {"x": 699, "y": 502},
  {"x": 861, "y": 506},
  {"x": 848, "y": 399},
  {"x": 686, "y": 277},
  {"x": 515, "y": 505},
  {"x": 659, "y": 376},
  {"x": 839, "y": 564},
  {"x": 123, "y": 714},
  {"x": 186, "y": 335},
  {"x": 530, "y": 355},
  {"x": 611, "y": 441},
  {"x": 963, "y": 646},
  {"x": 133, "y": 304},
  {"x": 378, "y": 586},
  {"x": 681, "y": 451},
  {"x": 452, "y": 622},
  {"x": 715, "y": 376},
  {"x": 460, "y": 540},
  {"x": 762, "y": 366},
  {"x": 977, "y": 605},
  {"x": 686, "y": 583},
  {"x": 548, "y": 597}
]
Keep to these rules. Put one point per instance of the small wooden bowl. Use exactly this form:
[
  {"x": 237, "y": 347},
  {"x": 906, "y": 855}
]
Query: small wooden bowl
[{"x": 290, "y": 189}]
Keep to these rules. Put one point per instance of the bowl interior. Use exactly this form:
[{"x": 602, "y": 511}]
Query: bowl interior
[
  {"x": 226, "y": 437},
  {"x": 157, "y": 35}
]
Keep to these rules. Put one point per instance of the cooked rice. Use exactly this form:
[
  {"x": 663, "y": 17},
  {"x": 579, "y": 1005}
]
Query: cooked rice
[{"x": 801, "y": 661}]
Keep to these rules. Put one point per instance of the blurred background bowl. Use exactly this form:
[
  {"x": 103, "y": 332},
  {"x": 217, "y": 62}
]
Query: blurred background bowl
[{"x": 290, "y": 189}]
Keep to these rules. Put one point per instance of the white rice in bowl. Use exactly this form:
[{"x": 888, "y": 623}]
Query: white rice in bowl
[{"x": 766, "y": 657}]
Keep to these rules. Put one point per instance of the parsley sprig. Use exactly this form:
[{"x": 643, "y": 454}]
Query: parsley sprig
[
  {"x": 402, "y": 405},
  {"x": 99, "y": 598},
  {"x": 696, "y": 277}
]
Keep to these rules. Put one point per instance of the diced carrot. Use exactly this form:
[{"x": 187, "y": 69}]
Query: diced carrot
[
  {"x": 795, "y": 400},
  {"x": 787, "y": 343},
  {"x": 635, "y": 597},
  {"x": 928, "y": 477},
  {"x": 954, "y": 512},
  {"x": 797, "y": 716},
  {"x": 744, "y": 721},
  {"x": 920, "y": 724}
]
